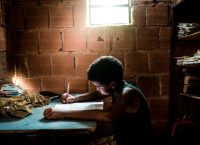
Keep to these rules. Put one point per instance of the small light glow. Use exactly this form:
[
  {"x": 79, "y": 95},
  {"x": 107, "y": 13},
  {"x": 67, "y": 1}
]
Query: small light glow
[{"x": 15, "y": 80}]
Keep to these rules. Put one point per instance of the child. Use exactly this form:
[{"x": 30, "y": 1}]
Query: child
[{"x": 129, "y": 112}]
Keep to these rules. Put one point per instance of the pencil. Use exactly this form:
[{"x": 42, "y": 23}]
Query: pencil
[{"x": 68, "y": 85}]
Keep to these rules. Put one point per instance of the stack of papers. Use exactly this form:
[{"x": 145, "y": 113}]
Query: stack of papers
[
  {"x": 184, "y": 60},
  {"x": 11, "y": 90},
  {"x": 79, "y": 106}
]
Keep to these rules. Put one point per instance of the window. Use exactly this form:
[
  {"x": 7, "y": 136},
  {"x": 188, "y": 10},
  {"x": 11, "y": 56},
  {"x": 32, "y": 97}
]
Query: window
[{"x": 106, "y": 12}]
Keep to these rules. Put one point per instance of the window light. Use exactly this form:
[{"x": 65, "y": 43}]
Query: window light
[{"x": 102, "y": 12}]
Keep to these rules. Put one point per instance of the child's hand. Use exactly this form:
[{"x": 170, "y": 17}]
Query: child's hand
[
  {"x": 67, "y": 98},
  {"x": 51, "y": 113}
]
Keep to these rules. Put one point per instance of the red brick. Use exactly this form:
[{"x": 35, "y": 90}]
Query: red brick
[
  {"x": 26, "y": 41},
  {"x": 149, "y": 85},
  {"x": 164, "y": 82},
  {"x": 62, "y": 58},
  {"x": 9, "y": 40},
  {"x": 75, "y": 40},
  {"x": 129, "y": 77},
  {"x": 159, "y": 109},
  {"x": 139, "y": 15},
  {"x": 62, "y": 69},
  {"x": 75, "y": 2},
  {"x": 2, "y": 34},
  {"x": 37, "y": 11},
  {"x": 1, "y": 17},
  {"x": 55, "y": 84},
  {"x": 158, "y": 14},
  {"x": 36, "y": 22},
  {"x": 123, "y": 38},
  {"x": 50, "y": 41},
  {"x": 61, "y": 17},
  {"x": 31, "y": 84},
  {"x": 50, "y": 1},
  {"x": 25, "y": 2},
  {"x": 62, "y": 64},
  {"x": 36, "y": 18},
  {"x": 18, "y": 18},
  {"x": 83, "y": 62},
  {"x": 9, "y": 64},
  {"x": 147, "y": 38},
  {"x": 2, "y": 61},
  {"x": 38, "y": 59},
  {"x": 39, "y": 70},
  {"x": 159, "y": 62},
  {"x": 98, "y": 38},
  {"x": 165, "y": 38},
  {"x": 78, "y": 85},
  {"x": 6, "y": 12},
  {"x": 21, "y": 68},
  {"x": 39, "y": 65},
  {"x": 3, "y": 40},
  {"x": 136, "y": 63},
  {"x": 79, "y": 16}
]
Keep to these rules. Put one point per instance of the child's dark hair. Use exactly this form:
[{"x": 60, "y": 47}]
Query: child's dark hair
[{"x": 106, "y": 69}]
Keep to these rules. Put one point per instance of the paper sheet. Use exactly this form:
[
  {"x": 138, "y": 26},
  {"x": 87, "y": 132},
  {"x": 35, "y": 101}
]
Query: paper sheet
[{"x": 80, "y": 106}]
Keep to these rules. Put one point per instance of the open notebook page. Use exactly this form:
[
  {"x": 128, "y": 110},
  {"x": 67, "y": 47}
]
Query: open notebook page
[{"x": 80, "y": 106}]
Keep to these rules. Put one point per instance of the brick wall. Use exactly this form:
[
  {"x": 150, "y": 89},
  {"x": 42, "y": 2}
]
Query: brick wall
[
  {"x": 2, "y": 40},
  {"x": 5, "y": 41},
  {"x": 53, "y": 46}
]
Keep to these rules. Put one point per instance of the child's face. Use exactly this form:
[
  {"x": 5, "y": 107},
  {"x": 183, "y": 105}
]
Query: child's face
[{"x": 103, "y": 89}]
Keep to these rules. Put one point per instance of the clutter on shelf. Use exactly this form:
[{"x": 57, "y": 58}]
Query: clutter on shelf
[
  {"x": 188, "y": 29},
  {"x": 189, "y": 60}
]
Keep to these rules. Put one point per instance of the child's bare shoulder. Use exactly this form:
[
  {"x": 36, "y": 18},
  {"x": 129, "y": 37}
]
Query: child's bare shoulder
[{"x": 131, "y": 94}]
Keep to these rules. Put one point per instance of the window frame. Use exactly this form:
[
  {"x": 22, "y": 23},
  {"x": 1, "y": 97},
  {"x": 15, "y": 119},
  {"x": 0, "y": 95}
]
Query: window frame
[{"x": 90, "y": 6}]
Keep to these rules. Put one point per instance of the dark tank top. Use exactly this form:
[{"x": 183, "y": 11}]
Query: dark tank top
[{"x": 133, "y": 128}]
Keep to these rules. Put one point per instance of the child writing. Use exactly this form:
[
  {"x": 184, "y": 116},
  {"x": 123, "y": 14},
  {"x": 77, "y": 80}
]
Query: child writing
[{"x": 129, "y": 113}]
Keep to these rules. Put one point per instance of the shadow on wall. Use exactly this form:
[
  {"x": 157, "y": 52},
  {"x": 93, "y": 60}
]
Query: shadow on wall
[{"x": 6, "y": 42}]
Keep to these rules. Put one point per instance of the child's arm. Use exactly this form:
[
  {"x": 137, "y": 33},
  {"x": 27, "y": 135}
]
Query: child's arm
[
  {"x": 128, "y": 101},
  {"x": 89, "y": 96},
  {"x": 120, "y": 105}
]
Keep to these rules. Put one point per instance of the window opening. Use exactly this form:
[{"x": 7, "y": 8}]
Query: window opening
[{"x": 107, "y": 12}]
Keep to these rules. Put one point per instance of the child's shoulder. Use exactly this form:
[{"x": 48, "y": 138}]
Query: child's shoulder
[{"x": 131, "y": 84}]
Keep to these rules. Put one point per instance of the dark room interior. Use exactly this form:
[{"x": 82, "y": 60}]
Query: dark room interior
[{"x": 45, "y": 44}]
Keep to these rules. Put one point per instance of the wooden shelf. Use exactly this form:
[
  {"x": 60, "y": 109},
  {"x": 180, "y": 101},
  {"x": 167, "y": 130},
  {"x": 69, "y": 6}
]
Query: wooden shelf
[
  {"x": 191, "y": 96},
  {"x": 184, "y": 11},
  {"x": 193, "y": 36},
  {"x": 196, "y": 66}
]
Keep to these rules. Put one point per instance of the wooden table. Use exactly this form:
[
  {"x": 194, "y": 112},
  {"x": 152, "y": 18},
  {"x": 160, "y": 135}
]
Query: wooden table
[{"x": 34, "y": 127}]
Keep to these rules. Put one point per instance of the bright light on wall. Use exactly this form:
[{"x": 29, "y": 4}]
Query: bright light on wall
[
  {"x": 108, "y": 12},
  {"x": 16, "y": 80},
  {"x": 108, "y": 2}
]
